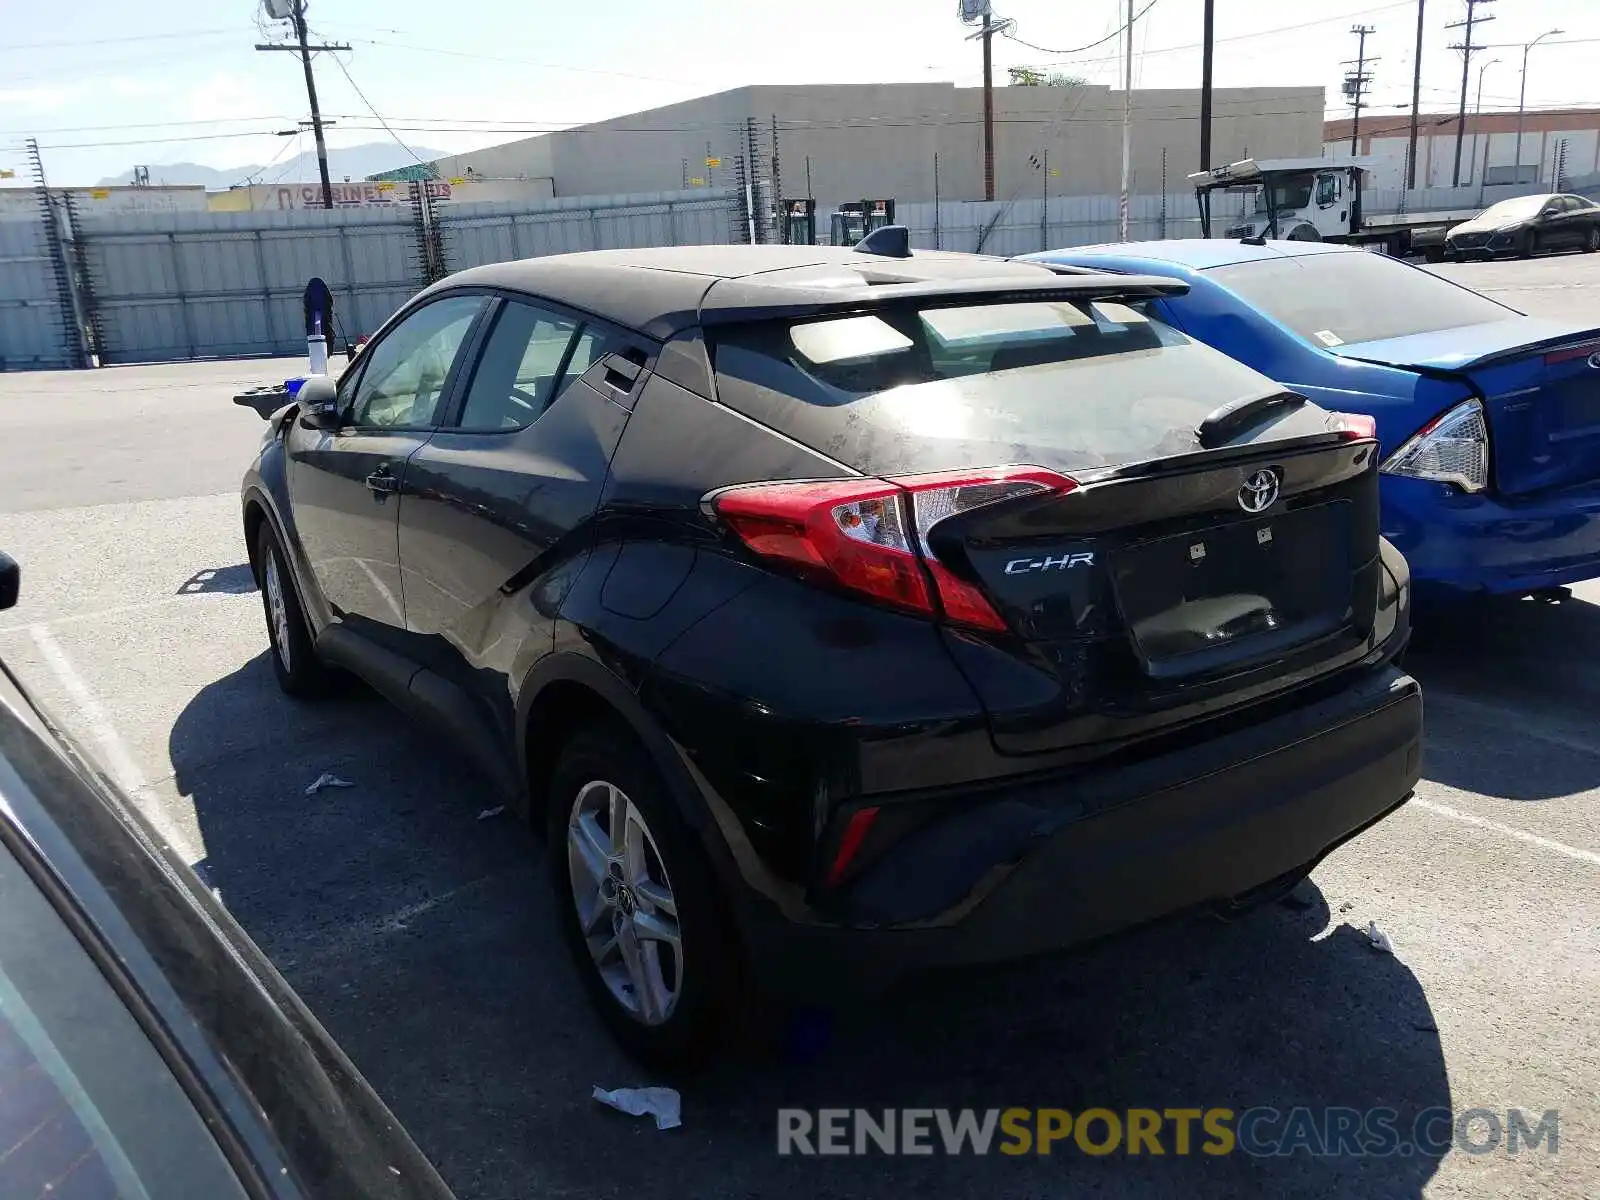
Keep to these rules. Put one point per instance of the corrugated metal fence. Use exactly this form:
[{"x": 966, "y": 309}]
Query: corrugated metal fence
[
  {"x": 473, "y": 234},
  {"x": 32, "y": 329},
  {"x": 1023, "y": 226},
  {"x": 170, "y": 286}
]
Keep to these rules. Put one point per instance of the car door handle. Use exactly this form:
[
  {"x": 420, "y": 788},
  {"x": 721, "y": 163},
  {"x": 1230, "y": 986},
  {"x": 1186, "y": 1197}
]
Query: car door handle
[
  {"x": 621, "y": 372},
  {"x": 381, "y": 483}
]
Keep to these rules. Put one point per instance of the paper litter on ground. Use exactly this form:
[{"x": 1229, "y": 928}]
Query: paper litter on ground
[
  {"x": 660, "y": 1102},
  {"x": 327, "y": 780}
]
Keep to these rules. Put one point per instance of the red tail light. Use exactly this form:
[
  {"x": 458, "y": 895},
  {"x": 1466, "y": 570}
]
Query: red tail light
[
  {"x": 1568, "y": 353},
  {"x": 1354, "y": 426},
  {"x": 855, "y": 832},
  {"x": 870, "y": 535}
]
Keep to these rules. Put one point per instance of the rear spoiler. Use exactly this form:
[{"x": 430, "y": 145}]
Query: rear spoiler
[{"x": 1056, "y": 282}]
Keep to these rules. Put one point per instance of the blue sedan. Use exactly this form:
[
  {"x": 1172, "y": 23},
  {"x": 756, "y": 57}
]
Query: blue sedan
[{"x": 1488, "y": 419}]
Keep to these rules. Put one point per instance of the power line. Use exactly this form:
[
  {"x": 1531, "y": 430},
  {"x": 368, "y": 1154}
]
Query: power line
[
  {"x": 1260, "y": 33},
  {"x": 523, "y": 62},
  {"x": 351, "y": 81},
  {"x": 533, "y": 131},
  {"x": 150, "y": 124},
  {"x": 263, "y": 168},
  {"x": 110, "y": 41},
  {"x": 1079, "y": 50}
]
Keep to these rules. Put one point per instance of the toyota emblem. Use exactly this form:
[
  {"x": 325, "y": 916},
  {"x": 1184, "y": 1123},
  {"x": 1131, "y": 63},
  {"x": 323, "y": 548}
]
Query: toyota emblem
[
  {"x": 1594, "y": 360},
  {"x": 1259, "y": 491}
]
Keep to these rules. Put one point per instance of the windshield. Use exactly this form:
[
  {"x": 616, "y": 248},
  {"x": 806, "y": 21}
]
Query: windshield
[
  {"x": 900, "y": 346},
  {"x": 1520, "y": 209},
  {"x": 907, "y": 388},
  {"x": 1333, "y": 298},
  {"x": 1290, "y": 192}
]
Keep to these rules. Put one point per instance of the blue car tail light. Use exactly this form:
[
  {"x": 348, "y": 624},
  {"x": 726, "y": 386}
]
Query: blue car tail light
[{"x": 1451, "y": 448}]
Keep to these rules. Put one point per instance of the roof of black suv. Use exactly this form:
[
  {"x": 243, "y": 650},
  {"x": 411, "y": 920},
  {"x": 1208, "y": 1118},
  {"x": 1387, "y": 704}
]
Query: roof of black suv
[{"x": 661, "y": 290}]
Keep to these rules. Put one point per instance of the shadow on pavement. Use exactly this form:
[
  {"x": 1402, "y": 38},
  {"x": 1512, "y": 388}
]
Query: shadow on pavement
[
  {"x": 235, "y": 580},
  {"x": 1499, "y": 674},
  {"x": 425, "y": 940}
]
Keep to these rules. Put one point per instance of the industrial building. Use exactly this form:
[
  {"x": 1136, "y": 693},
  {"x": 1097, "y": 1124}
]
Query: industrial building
[
  {"x": 909, "y": 141},
  {"x": 1557, "y": 145}
]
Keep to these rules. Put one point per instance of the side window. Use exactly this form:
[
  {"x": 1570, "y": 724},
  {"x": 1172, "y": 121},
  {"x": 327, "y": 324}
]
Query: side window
[
  {"x": 1327, "y": 189},
  {"x": 529, "y": 356},
  {"x": 591, "y": 345},
  {"x": 407, "y": 370}
]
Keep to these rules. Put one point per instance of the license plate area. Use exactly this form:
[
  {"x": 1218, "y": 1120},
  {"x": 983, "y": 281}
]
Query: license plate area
[{"x": 1215, "y": 597}]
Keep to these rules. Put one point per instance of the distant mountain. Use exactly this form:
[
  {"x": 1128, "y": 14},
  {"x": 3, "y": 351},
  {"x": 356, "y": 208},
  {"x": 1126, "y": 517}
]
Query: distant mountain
[{"x": 356, "y": 162}]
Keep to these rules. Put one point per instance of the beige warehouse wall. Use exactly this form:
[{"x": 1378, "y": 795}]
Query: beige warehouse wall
[{"x": 871, "y": 140}]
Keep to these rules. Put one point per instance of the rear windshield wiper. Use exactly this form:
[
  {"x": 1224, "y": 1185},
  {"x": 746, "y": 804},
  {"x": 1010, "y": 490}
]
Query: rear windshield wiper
[{"x": 1224, "y": 424}]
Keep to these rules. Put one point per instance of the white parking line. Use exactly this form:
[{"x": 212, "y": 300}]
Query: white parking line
[
  {"x": 92, "y": 715},
  {"x": 1521, "y": 835},
  {"x": 119, "y": 610},
  {"x": 118, "y": 759}
]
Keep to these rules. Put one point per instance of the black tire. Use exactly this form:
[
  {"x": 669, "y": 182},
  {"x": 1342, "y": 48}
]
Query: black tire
[
  {"x": 713, "y": 999},
  {"x": 299, "y": 671},
  {"x": 1527, "y": 244},
  {"x": 1592, "y": 242}
]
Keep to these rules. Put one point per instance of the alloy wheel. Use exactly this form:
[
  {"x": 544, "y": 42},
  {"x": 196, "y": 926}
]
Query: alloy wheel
[
  {"x": 624, "y": 903},
  {"x": 278, "y": 610}
]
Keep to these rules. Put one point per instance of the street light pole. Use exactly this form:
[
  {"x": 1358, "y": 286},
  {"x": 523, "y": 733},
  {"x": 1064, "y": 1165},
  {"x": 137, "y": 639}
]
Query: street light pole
[
  {"x": 1477, "y": 112},
  {"x": 1522, "y": 96}
]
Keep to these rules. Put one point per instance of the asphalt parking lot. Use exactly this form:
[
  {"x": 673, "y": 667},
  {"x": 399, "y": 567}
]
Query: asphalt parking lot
[{"x": 423, "y": 937}]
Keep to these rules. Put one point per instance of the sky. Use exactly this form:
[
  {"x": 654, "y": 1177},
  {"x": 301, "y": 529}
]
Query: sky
[{"x": 105, "y": 85}]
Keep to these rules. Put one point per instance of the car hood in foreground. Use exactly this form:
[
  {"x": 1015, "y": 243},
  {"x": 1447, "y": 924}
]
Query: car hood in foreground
[
  {"x": 1468, "y": 345},
  {"x": 288, "y": 1108}
]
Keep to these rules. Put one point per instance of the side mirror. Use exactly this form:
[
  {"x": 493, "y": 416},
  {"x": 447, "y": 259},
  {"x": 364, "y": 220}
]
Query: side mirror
[
  {"x": 318, "y": 398},
  {"x": 10, "y": 581}
]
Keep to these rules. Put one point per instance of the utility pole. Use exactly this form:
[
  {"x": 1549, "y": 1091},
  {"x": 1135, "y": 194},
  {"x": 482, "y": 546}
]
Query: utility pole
[
  {"x": 298, "y": 16},
  {"x": 1466, "y": 47},
  {"x": 1356, "y": 83},
  {"x": 1208, "y": 45},
  {"x": 988, "y": 106},
  {"x": 981, "y": 14},
  {"x": 1416, "y": 100},
  {"x": 1127, "y": 127}
]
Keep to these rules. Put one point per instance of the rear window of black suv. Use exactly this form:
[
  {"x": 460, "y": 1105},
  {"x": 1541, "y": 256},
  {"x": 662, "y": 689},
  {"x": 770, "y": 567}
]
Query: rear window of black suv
[{"x": 907, "y": 387}]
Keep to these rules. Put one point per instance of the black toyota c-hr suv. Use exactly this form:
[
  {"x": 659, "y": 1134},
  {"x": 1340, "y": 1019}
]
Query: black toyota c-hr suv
[{"x": 845, "y": 612}]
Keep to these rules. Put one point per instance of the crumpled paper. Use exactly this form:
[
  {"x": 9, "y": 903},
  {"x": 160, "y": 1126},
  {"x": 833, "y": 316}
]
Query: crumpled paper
[
  {"x": 327, "y": 780},
  {"x": 1379, "y": 939},
  {"x": 662, "y": 1103}
]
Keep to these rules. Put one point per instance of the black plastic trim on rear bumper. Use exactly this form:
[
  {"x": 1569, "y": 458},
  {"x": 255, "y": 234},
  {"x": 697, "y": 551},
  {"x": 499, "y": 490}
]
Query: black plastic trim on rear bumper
[{"x": 1057, "y": 862}]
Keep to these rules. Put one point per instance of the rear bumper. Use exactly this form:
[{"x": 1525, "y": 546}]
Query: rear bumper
[
  {"x": 1051, "y": 863},
  {"x": 1481, "y": 544}
]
